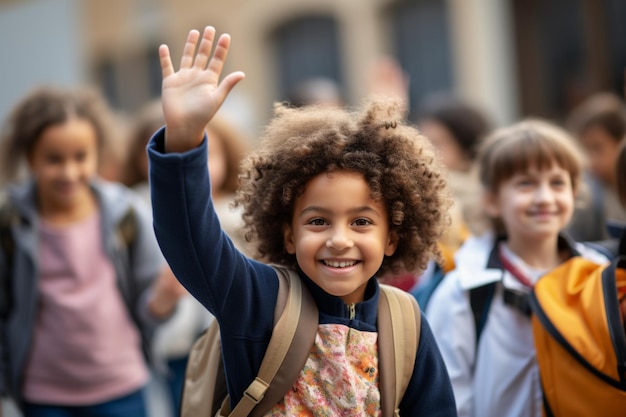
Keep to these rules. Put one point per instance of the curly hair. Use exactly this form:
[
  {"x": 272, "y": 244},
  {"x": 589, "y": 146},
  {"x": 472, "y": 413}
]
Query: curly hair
[
  {"x": 44, "y": 107},
  {"x": 397, "y": 162}
]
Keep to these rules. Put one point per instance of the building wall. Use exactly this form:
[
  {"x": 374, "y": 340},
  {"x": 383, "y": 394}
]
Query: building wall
[
  {"x": 39, "y": 43},
  {"x": 364, "y": 35},
  {"x": 499, "y": 52}
]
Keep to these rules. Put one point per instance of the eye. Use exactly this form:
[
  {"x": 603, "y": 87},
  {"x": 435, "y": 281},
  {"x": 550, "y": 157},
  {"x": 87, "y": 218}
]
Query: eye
[
  {"x": 362, "y": 222},
  {"x": 317, "y": 222},
  {"x": 53, "y": 159},
  {"x": 81, "y": 156},
  {"x": 524, "y": 182},
  {"x": 559, "y": 182}
]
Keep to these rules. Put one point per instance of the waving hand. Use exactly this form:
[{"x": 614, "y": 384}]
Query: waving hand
[{"x": 194, "y": 93}]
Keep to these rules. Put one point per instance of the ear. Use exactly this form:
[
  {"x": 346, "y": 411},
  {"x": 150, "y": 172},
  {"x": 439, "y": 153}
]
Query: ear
[
  {"x": 290, "y": 245},
  {"x": 491, "y": 204},
  {"x": 392, "y": 243}
]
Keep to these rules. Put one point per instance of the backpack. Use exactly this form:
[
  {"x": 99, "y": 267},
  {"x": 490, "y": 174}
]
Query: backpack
[
  {"x": 580, "y": 338},
  {"x": 296, "y": 321}
]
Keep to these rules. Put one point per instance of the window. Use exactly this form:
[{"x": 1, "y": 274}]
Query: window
[
  {"x": 422, "y": 45},
  {"x": 307, "y": 48}
]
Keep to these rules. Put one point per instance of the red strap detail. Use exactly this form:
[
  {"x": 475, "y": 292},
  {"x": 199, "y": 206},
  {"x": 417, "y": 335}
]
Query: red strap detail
[{"x": 513, "y": 270}]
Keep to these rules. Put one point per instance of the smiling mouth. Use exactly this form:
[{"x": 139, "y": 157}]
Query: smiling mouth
[
  {"x": 339, "y": 264},
  {"x": 543, "y": 213}
]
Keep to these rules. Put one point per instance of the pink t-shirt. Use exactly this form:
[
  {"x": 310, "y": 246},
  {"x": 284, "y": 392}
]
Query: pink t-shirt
[{"x": 86, "y": 348}]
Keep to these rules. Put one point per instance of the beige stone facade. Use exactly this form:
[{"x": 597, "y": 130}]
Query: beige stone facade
[
  {"x": 122, "y": 31},
  {"x": 503, "y": 54}
]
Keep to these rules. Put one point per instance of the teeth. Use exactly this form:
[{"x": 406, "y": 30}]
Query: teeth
[{"x": 341, "y": 264}]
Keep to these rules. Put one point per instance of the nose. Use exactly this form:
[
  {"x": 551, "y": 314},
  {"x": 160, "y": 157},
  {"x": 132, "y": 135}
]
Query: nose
[
  {"x": 70, "y": 171},
  {"x": 339, "y": 239},
  {"x": 543, "y": 193}
]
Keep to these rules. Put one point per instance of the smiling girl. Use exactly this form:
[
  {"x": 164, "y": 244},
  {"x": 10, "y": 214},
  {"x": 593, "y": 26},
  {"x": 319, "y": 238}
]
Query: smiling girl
[
  {"x": 341, "y": 197},
  {"x": 84, "y": 300}
]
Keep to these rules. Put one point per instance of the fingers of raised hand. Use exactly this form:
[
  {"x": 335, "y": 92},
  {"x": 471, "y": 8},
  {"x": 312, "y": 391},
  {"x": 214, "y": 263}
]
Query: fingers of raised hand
[
  {"x": 186, "y": 61},
  {"x": 204, "y": 50},
  {"x": 219, "y": 56},
  {"x": 167, "y": 68}
]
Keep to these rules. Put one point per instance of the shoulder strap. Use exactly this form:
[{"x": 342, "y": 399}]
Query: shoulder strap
[
  {"x": 399, "y": 321},
  {"x": 127, "y": 226},
  {"x": 288, "y": 349},
  {"x": 423, "y": 293},
  {"x": 8, "y": 217},
  {"x": 480, "y": 301}
]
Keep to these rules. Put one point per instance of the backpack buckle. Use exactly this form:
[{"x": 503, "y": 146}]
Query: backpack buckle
[
  {"x": 256, "y": 390},
  {"x": 518, "y": 300}
]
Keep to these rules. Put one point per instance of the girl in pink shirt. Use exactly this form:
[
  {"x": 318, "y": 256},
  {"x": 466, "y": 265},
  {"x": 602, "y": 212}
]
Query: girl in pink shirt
[{"x": 83, "y": 298}]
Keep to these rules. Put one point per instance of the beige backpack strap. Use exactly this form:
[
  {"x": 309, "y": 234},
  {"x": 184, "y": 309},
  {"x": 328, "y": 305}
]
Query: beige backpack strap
[
  {"x": 399, "y": 321},
  {"x": 281, "y": 301},
  {"x": 288, "y": 349},
  {"x": 299, "y": 348}
]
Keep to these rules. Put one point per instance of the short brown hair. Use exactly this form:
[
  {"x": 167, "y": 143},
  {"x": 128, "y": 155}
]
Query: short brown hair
[
  {"x": 397, "y": 162},
  {"x": 516, "y": 148}
]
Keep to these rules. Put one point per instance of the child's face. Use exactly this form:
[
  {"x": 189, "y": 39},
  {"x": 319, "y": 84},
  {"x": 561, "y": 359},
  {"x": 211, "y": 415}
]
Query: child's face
[
  {"x": 534, "y": 205},
  {"x": 63, "y": 161},
  {"x": 602, "y": 150},
  {"x": 339, "y": 234}
]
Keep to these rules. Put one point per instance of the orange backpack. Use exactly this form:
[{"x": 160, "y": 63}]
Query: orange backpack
[{"x": 580, "y": 338}]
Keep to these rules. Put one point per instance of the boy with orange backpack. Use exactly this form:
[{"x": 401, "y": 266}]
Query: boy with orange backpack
[{"x": 480, "y": 313}]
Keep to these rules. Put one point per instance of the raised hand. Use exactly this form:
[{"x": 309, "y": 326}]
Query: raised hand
[{"x": 194, "y": 93}]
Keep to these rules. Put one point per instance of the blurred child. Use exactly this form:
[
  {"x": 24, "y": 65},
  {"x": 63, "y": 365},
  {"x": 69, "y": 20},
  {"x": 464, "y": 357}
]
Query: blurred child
[
  {"x": 456, "y": 128},
  {"x": 530, "y": 172},
  {"x": 338, "y": 196},
  {"x": 85, "y": 275},
  {"x": 227, "y": 147},
  {"x": 600, "y": 125}
]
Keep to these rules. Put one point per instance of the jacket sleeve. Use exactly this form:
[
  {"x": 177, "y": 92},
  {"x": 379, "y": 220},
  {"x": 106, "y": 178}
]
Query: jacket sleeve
[
  {"x": 232, "y": 287},
  {"x": 429, "y": 392},
  {"x": 449, "y": 313}
]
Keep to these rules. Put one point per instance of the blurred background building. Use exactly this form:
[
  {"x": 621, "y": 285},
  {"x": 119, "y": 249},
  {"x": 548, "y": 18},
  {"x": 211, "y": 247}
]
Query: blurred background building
[{"x": 512, "y": 57}]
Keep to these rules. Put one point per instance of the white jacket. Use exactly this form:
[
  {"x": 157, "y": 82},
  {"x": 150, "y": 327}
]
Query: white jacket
[{"x": 499, "y": 377}]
